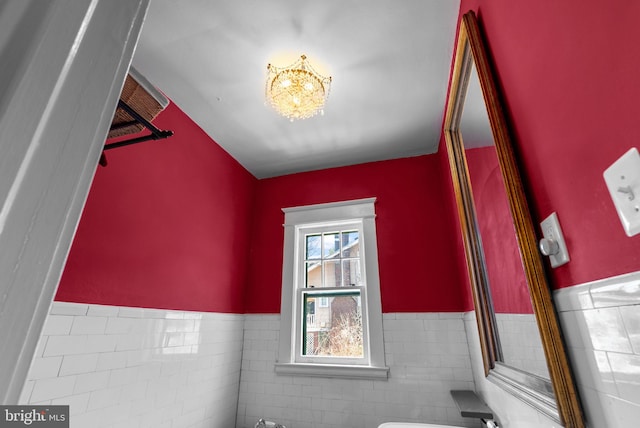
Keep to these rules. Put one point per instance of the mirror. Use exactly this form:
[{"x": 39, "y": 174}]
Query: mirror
[
  {"x": 519, "y": 332},
  {"x": 516, "y": 332}
]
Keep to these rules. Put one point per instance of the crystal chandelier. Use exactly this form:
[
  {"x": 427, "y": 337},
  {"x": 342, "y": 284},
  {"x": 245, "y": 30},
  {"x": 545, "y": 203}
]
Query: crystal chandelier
[{"x": 296, "y": 91}]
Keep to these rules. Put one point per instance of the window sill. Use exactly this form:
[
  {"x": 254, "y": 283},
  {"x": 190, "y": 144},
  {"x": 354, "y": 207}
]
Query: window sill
[{"x": 329, "y": 370}]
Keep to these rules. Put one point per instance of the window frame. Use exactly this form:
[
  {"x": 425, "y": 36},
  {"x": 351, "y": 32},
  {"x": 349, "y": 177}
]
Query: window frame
[
  {"x": 297, "y": 220},
  {"x": 300, "y": 326}
]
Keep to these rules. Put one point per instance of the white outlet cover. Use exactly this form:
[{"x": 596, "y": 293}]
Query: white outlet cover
[
  {"x": 551, "y": 230},
  {"x": 623, "y": 181}
]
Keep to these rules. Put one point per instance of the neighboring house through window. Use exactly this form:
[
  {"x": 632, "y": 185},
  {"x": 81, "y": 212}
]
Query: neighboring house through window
[{"x": 331, "y": 313}]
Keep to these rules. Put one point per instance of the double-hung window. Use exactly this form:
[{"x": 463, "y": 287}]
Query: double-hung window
[
  {"x": 331, "y": 321},
  {"x": 331, "y": 293}
]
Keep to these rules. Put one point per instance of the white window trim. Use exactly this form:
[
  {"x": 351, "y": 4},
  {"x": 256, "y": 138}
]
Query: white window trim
[{"x": 363, "y": 210}]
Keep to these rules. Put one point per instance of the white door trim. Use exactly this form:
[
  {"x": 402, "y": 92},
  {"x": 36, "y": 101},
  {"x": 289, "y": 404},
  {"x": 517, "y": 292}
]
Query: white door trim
[{"x": 61, "y": 81}]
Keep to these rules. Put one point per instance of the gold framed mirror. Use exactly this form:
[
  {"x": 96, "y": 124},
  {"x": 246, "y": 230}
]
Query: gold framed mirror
[{"x": 520, "y": 337}]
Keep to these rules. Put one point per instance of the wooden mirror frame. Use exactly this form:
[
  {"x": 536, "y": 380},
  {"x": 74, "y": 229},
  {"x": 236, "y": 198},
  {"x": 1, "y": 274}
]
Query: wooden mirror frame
[{"x": 563, "y": 406}]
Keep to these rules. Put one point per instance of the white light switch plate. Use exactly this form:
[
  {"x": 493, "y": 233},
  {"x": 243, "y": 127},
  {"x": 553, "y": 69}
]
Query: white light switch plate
[
  {"x": 623, "y": 182},
  {"x": 551, "y": 230}
]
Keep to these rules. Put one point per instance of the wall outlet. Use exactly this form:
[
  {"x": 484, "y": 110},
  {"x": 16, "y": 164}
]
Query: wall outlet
[{"x": 554, "y": 240}]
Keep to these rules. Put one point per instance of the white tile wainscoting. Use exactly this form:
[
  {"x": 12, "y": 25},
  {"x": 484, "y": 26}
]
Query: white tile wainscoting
[
  {"x": 133, "y": 367},
  {"x": 601, "y": 324},
  {"x": 427, "y": 354},
  {"x": 521, "y": 343},
  {"x": 509, "y": 411}
]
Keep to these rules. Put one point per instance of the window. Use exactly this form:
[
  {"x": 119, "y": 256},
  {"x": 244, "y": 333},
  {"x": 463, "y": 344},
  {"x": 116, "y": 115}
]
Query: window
[
  {"x": 330, "y": 289},
  {"x": 331, "y": 320}
]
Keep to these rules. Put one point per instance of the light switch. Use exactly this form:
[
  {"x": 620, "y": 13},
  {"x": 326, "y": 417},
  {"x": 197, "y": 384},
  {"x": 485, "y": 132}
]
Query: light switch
[
  {"x": 553, "y": 245},
  {"x": 623, "y": 182}
]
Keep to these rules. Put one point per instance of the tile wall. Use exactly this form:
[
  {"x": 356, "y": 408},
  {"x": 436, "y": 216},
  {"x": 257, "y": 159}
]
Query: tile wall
[
  {"x": 521, "y": 344},
  {"x": 601, "y": 323},
  {"x": 132, "y": 367},
  {"x": 428, "y": 356},
  {"x": 509, "y": 411}
]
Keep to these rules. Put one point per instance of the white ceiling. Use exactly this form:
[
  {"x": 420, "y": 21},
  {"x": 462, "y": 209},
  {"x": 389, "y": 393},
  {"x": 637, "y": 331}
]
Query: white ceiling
[
  {"x": 474, "y": 123},
  {"x": 389, "y": 60}
]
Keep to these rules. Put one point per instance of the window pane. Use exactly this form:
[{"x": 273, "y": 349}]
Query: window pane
[
  {"x": 351, "y": 273},
  {"x": 331, "y": 245},
  {"x": 311, "y": 306},
  {"x": 332, "y": 273},
  {"x": 313, "y": 275},
  {"x": 350, "y": 245},
  {"x": 312, "y": 247},
  {"x": 334, "y": 331}
]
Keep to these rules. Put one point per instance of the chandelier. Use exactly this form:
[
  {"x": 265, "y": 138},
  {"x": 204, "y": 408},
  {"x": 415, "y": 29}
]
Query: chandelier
[{"x": 296, "y": 91}]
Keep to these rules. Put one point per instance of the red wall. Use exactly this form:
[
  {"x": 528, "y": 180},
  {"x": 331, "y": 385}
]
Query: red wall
[
  {"x": 415, "y": 224},
  {"x": 567, "y": 72},
  {"x": 505, "y": 272},
  {"x": 179, "y": 224},
  {"x": 166, "y": 225}
]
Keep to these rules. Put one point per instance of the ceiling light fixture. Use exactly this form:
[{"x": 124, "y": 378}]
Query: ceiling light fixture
[{"x": 297, "y": 91}]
